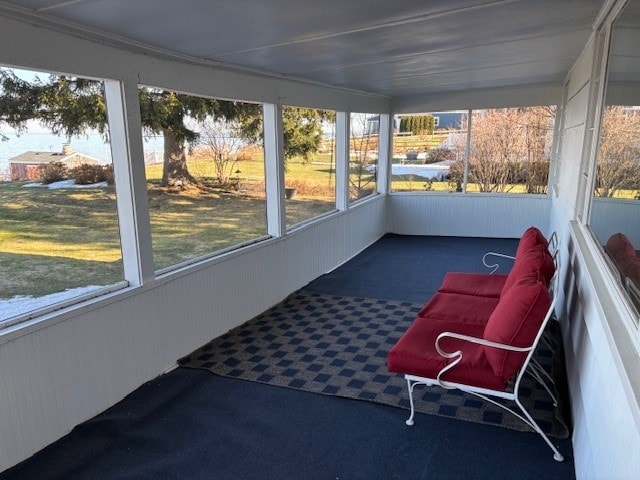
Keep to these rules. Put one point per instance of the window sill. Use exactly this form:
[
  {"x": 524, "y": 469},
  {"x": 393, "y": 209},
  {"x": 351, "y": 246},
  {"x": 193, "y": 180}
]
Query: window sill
[
  {"x": 541, "y": 196},
  {"x": 45, "y": 317},
  {"x": 616, "y": 318}
]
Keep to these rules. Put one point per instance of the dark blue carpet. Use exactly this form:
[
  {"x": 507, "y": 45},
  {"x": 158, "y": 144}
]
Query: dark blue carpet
[
  {"x": 190, "y": 424},
  {"x": 409, "y": 268}
]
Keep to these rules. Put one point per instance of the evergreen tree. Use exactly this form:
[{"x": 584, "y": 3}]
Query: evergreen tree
[{"x": 72, "y": 106}]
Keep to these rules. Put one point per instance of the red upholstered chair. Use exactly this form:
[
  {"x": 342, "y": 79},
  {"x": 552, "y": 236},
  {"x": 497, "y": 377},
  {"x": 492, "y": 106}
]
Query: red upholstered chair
[{"x": 477, "y": 357}]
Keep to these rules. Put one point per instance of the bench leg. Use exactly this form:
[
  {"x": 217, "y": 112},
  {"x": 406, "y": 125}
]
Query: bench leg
[
  {"x": 410, "y": 386},
  {"x": 557, "y": 456}
]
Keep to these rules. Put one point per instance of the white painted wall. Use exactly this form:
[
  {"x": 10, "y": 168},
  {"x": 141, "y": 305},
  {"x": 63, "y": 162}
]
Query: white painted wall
[
  {"x": 467, "y": 215},
  {"x": 57, "y": 374},
  {"x": 602, "y": 362}
]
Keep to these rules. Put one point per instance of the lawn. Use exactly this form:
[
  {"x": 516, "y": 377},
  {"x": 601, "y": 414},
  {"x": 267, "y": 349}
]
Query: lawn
[
  {"x": 411, "y": 183},
  {"x": 52, "y": 240}
]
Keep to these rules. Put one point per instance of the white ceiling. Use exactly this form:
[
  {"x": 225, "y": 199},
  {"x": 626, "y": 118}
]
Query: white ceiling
[{"x": 391, "y": 47}]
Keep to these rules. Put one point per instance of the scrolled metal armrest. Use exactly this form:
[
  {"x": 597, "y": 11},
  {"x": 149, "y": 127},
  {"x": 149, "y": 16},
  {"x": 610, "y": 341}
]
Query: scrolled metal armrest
[
  {"x": 479, "y": 341},
  {"x": 494, "y": 266},
  {"x": 457, "y": 355}
]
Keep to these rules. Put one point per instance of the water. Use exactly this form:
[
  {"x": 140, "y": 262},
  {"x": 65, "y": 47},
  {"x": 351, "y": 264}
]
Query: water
[{"x": 92, "y": 145}]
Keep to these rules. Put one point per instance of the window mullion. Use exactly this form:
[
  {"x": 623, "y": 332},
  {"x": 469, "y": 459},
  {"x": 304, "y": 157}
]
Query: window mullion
[
  {"x": 125, "y": 127},
  {"x": 385, "y": 132},
  {"x": 274, "y": 169},
  {"x": 342, "y": 159},
  {"x": 467, "y": 153}
]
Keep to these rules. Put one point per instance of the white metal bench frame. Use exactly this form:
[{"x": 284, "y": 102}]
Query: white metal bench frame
[{"x": 529, "y": 366}]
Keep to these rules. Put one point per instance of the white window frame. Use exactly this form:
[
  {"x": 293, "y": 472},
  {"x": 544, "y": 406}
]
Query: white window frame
[
  {"x": 597, "y": 95},
  {"x": 467, "y": 153}
]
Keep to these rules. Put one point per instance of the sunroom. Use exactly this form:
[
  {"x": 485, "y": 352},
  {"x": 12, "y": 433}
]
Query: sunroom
[{"x": 404, "y": 96}]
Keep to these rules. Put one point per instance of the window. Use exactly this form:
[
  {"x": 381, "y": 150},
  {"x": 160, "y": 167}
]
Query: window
[
  {"x": 59, "y": 236},
  {"x": 363, "y": 156},
  {"x": 509, "y": 151},
  {"x": 207, "y": 189},
  {"x": 425, "y": 149},
  {"x": 614, "y": 209},
  {"x": 310, "y": 163}
]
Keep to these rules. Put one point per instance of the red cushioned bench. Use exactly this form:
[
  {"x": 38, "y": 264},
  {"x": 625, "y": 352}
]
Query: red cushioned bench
[{"x": 479, "y": 331}]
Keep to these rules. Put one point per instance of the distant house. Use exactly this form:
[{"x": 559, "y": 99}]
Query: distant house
[
  {"x": 451, "y": 120},
  {"x": 26, "y": 166}
]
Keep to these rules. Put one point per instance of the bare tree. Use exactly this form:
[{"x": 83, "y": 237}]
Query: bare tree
[
  {"x": 618, "y": 166},
  {"x": 363, "y": 152},
  {"x": 221, "y": 141},
  {"x": 538, "y": 128},
  {"x": 495, "y": 144},
  {"x": 509, "y": 146}
]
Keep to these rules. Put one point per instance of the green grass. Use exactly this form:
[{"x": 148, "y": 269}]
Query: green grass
[
  {"x": 49, "y": 240},
  {"x": 404, "y": 143},
  {"x": 52, "y": 240},
  {"x": 407, "y": 183}
]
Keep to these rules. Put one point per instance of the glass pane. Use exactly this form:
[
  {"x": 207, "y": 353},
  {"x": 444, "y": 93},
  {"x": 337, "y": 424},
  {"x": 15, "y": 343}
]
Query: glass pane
[
  {"x": 207, "y": 187},
  {"x": 310, "y": 163},
  {"x": 615, "y": 206},
  {"x": 510, "y": 150},
  {"x": 59, "y": 236},
  {"x": 425, "y": 149},
  {"x": 363, "y": 155}
]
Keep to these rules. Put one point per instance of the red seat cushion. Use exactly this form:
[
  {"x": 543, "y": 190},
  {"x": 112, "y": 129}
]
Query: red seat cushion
[
  {"x": 516, "y": 321},
  {"x": 629, "y": 267},
  {"x": 480, "y": 284},
  {"x": 459, "y": 308},
  {"x": 535, "y": 260},
  {"x": 415, "y": 353}
]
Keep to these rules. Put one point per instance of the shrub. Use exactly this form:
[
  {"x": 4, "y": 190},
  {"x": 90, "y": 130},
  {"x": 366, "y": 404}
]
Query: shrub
[
  {"x": 86, "y": 174},
  {"x": 53, "y": 172},
  {"x": 109, "y": 177},
  {"x": 439, "y": 155}
]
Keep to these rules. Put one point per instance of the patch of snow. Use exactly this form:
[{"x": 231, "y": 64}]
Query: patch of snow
[
  {"x": 26, "y": 303},
  {"x": 65, "y": 184},
  {"x": 438, "y": 170},
  {"x": 62, "y": 184}
]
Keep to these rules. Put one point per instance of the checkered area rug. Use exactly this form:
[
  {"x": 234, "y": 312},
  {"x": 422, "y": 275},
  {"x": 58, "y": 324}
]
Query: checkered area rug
[{"x": 338, "y": 345}]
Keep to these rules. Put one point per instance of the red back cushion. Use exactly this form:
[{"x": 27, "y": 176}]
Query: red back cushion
[
  {"x": 535, "y": 260},
  {"x": 516, "y": 321},
  {"x": 619, "y": 245},
  {"x": 531, "y": 237},
  {"x": 623, "y": 255}
]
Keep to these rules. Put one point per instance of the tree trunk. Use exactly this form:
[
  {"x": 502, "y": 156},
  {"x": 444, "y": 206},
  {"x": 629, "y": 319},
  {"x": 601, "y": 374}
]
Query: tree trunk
[{"x": 175, "y": 161}]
